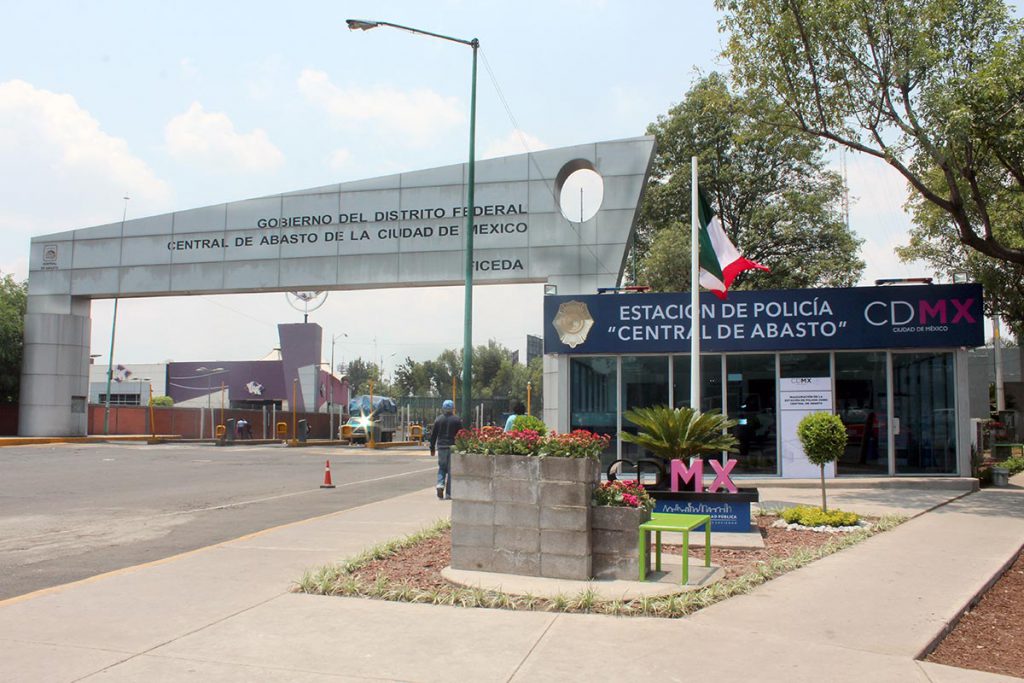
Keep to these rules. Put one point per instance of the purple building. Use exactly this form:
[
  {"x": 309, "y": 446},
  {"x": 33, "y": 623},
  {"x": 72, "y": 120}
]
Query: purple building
[{"x": 259, "y": 383}]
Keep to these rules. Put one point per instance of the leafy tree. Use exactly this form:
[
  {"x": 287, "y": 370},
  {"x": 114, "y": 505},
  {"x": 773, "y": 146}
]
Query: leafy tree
[
  {"x": 360, "y": 372},
  {"x": 442, "y": 370},
  {"x": 413, "y": 379},
  {"x": 936, "y": 241},
  {"x": 680, "y": 433},
  {"x": 163, "y": 401},
  {"x": 13, "y": 299},
  {"x": 494, "y": 375},
  {"x": 931, "y": 87},
  {"x": 823, "y": 436},
  {"x": 776, "y": 199},
  {"x": 491, "y": 370}
]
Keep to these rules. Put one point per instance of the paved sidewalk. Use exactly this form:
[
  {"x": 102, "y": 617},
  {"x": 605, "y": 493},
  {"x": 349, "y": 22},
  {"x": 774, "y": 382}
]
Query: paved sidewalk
[{"x": 224, "y": 614}]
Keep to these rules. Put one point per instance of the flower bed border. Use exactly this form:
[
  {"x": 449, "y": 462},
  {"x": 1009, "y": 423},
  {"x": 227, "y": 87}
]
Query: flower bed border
[{"x": 338, "y": 580}]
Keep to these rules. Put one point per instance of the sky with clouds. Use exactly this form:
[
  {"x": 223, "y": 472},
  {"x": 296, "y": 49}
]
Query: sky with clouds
[{"x": 185, "y": 104}]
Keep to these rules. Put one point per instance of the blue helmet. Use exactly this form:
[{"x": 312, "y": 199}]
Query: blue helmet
[{"x": 448, "y": 406}]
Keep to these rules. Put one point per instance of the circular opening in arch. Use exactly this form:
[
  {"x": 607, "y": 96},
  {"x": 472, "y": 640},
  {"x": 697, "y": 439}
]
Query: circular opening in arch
[{"x": 580, "y": 191}]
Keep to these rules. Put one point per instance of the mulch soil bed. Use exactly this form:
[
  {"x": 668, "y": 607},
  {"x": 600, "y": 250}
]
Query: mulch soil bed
[
  {"x": 421, "y": 564},
  {"x": 990, "y": 636}
]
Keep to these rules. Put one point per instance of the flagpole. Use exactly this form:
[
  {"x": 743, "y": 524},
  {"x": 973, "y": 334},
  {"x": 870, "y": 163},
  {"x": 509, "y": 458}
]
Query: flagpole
[{"x": 694, "y": 291}]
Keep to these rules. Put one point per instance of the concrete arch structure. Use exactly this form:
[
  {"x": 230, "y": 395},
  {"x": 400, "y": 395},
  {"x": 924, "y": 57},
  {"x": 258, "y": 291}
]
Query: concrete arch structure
[{"x": 403, "y": 230}]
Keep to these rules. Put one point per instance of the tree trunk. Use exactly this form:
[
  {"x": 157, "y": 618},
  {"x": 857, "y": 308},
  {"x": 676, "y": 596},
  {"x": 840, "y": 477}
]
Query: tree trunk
[{"x": 824, "y": 507}]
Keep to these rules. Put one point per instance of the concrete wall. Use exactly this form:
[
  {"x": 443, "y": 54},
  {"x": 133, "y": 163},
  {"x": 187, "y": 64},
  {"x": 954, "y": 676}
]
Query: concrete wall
[
  {"x": 55, "y": 365},
  {"x": 615, "y": 542},
  {"x": 522, "y": 515}
]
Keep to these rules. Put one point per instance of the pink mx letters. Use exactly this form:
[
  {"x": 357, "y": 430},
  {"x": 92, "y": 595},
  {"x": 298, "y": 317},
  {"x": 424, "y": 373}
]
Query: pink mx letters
[{"x": 680, "y": 475}]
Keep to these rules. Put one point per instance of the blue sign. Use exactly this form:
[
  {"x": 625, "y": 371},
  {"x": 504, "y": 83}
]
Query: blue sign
[
  {"x": 920, "y": 316},
  {"x": 725, "y": 516}
]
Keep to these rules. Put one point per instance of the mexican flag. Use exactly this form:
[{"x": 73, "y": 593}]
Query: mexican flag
[{"x": 720, "y": 261}]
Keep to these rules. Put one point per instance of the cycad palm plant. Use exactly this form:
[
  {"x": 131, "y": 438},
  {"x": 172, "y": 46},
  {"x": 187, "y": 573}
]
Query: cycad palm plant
[{"x": 672, "y": 433}]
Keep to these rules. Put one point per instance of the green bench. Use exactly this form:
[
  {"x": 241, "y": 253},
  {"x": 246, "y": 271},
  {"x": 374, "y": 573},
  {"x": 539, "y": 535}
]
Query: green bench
[{"x": 666, "y": 521}]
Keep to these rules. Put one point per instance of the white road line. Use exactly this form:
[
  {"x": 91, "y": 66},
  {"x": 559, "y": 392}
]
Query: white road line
[
  {"x": 49, "y": 534},
  {"x": 288, "y": 495}
]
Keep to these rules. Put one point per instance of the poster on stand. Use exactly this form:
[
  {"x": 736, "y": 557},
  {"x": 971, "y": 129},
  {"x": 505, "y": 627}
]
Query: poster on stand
[{"x": 798, "y": 397}]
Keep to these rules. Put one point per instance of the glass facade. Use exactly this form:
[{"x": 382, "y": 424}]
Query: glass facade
[
  {"x": 710, "y": 385},
  {"x": 804, "y": 365},
  {"x": 922, "y": 388}
]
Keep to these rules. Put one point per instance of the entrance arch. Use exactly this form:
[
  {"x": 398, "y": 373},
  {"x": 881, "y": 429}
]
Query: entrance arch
[{"x": 404, "y": 230}]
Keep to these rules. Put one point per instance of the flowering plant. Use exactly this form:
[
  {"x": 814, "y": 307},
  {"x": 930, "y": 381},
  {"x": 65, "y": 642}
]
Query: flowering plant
[
  {"x": 578, "y": 443},
  {"x": 626, "y": 494},
  {"x": 993, "y": 426},
  {"x": 495, "y": 441}
]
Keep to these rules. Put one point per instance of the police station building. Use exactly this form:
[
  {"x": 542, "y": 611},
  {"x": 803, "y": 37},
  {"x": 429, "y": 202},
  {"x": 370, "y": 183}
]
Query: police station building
[{"x": 890, "y": 361}]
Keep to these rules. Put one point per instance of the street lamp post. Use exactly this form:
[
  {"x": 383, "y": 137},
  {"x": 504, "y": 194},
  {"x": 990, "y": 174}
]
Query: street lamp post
[
  {"x": 330, "y": 392},
  {"x": 383, "y": 361},
  {"x": 467, "y": 338},
  {"x": 140, "y": 380},
  {"x": 210, "y": 372},
  {"x": 113, "y": 329}
]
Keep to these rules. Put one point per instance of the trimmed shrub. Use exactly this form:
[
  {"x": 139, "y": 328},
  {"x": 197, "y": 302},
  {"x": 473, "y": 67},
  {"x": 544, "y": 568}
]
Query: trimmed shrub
[
  {"x": 1014, "y": 465},
  {"x": 812, "y": 516},
  {"x": 823, "y": 436},
  {"x": 529, "y": 422}
]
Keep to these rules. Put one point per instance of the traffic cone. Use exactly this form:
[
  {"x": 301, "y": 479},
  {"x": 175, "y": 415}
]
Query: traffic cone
[{"x": 327, "y": 477}]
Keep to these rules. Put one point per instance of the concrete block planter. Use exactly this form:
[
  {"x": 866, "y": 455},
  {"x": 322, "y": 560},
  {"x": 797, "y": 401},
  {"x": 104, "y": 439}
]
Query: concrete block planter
[
  {"x": 523, "y": 514},
  {"x": 616, "y": 533}
]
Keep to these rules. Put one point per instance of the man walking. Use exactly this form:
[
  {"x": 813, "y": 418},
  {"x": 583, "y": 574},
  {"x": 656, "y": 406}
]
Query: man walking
[{"x": 442, "y": 437}]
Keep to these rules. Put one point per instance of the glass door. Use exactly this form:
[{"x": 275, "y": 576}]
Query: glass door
[
  {"x": 644, "y": 385},
  {"x": 862, "y": 406},
  {"x": 924, "y": 428},
  {"x": 592, "y": 400},
  {"x": 750, "y": 392}
]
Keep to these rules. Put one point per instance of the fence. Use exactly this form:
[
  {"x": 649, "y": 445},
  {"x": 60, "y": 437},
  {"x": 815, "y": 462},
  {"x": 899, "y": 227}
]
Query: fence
[
  {"x": 425, "y": 409},
  {"x": 187, "y": 422}
]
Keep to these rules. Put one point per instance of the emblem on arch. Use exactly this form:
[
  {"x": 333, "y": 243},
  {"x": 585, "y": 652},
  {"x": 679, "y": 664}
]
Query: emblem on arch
[{"x": 573, "y": 322}]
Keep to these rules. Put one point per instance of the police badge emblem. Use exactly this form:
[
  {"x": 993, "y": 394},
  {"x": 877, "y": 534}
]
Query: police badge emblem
[{"x": 573, "y": 322}]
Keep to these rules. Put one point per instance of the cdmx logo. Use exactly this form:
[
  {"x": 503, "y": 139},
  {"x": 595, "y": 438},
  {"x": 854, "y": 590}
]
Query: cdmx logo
[{"x": 921, "y": 312}]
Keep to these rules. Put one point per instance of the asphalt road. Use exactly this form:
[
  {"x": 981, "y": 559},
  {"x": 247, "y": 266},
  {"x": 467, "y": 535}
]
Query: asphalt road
[{"x": 70, "y": 511}]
